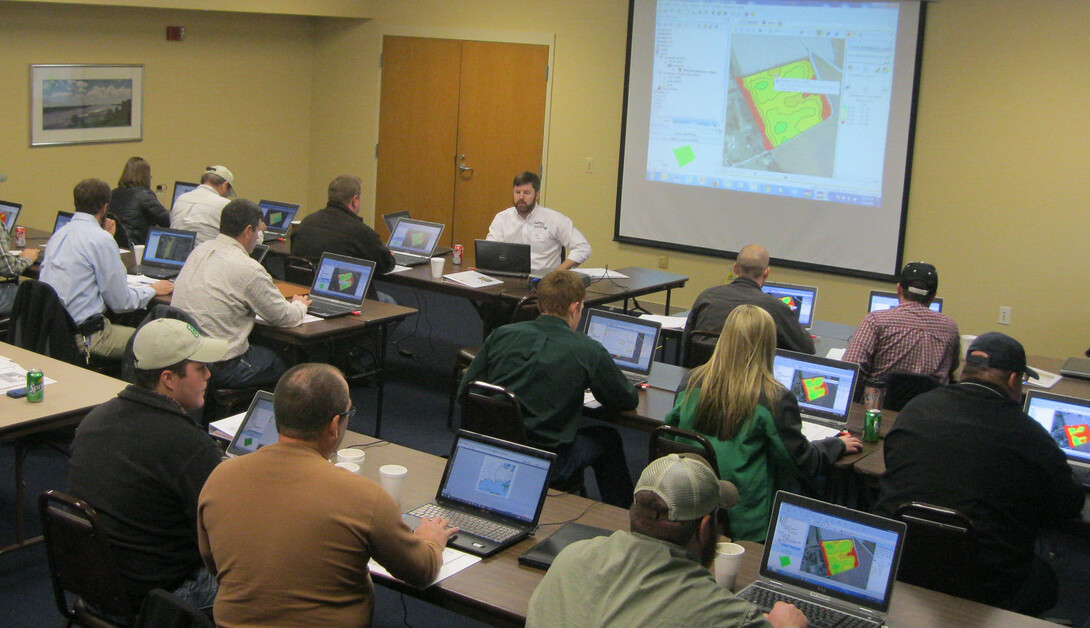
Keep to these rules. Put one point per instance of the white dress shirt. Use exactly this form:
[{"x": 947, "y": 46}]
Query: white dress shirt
[
  {"x": 546, "y": 231},
  {"x": 199, "y": 210},
  {"x": 83, "y": 265}
]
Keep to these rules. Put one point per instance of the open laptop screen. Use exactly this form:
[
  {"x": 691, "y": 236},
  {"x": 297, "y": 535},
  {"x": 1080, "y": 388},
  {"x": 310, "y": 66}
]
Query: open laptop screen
[
  {"x": 258, "y": 427},
  {"x": 800, "y": 299},
  {"x": 9, "y": 213},
  {"x": 169, "y": 247},
  {"x": 833, "y": 550},
  {"x": 1066, "y": 419},
  {"x": 277, "y": 216},
  {"x": 823, "y": 386},
  {"x": 181, "y": 187},
  {"x": 415, "y": 236},
  {"x": 630, "y": 340},
  {"x": 880, "y": 300},
  {"x": 507, "y": 480},
  {"x": 342, "y": 278}
]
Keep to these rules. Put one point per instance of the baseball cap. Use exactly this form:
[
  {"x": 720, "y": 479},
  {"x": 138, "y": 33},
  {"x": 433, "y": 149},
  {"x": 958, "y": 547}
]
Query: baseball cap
[
  {"x": 688, "y": 486},
  {"x": 223, "y": 173},
  {"x": 920, "y": 278},
  {"x": 166, "y": 341},
  {"x": 1000, "y": 352}
]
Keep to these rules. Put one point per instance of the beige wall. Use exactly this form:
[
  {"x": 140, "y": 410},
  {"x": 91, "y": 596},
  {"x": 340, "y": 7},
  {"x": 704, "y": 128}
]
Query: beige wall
[{"x": 996, "y": 193}]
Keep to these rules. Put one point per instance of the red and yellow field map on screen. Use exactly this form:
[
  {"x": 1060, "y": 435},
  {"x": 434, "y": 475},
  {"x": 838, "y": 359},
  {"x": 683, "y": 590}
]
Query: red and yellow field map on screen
[
  {"x": 839, "y": 556},
  {"x": 814, "y": 387},
  {"x": 782, "y": 115},
  {"x": 1077, "y": 434}
]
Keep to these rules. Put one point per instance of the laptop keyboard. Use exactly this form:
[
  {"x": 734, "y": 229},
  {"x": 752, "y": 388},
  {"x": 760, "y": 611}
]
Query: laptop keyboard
[
  {"x": 409, "y": 260},
  {"x": 327, "y": 309},
  {"x": 819, "y": 616},
  {"x": 477, "y": 526},
  {"x": 1082, "y": 476}
]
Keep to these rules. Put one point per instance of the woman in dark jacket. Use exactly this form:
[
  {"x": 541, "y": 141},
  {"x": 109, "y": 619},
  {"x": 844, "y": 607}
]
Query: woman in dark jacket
[{"x": 134, "y": 205}]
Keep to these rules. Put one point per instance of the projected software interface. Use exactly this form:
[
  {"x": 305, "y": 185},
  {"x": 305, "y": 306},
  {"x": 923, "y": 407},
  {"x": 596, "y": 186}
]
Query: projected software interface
[
  {"x": 800, "y": 299},
  {"x": 631, "y": 344},
  {"x": 342, "y": 280},
  {"x": 277, "y": 216},
  {"x": 411, "y": 236},
  {"x": 773, "y": 97},
  {"x": 819, "y": 387},
  {"x": 1067, "y": 419},
  {"x": 169, "y": 248},
  {"x": 8, "y": 214},
  {"x": 486, "y": 476},
  {"x": 846, "y": 556},
  {"x": 260, "y": 428}
]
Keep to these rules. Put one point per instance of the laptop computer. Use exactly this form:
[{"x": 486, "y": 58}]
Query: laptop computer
[
  {"x": 630, "y": 340},
  {"x": 277, "y": 217},
  {"x": 829, "y": 561},
  {"x": 9, "y": 213},
  {"x": 1078, "y": 368},
  {"x": 62, "y": 219},
  {"x": 259, "y": 253},
  {"x": 881, "y": 300},
  {"x": 824, "y": 388},
  {"x": 505, "y": 259},
  {"x": 392, "y": 218},
  {"x": 258, "y": 427},
  {"x": 1067, "y": 419},
  {"x": 801, "y": 299},
  {"x": 340, "y": 285},
  {"x": 413, "y": 241},
  {"x": 492, "y": 489},
  {"x": 165, "y": 253},
  {"x": 181, "y": 187}
]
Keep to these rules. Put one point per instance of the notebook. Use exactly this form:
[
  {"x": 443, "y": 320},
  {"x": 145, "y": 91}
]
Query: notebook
[
  {"x": 824, "y": 388},
  {"x": 493, "y": 489},
  {"x": 413, "y": 241},
  {"x": 801, "y": 299},
  {"x": 165, "y": 253},
  {"x": 258, "y": 427},
  {"x": 277, "y": 217},
  {"x": 1067, "y": 419},
  {"x": 340, "y": 285},
  {"x": 630, "y": 340},
  {"x": 1078, "y": 368},
  {"x": 181, "y": 187},
  {"x": 62, "y": 219},
  {"x": 506, "y": 259},
  {"x": 880, "y": 300},
  {"x": 9, "y": 213},
  {"x": 259, "y": 253},
  {"x": 541, "y": 556}
]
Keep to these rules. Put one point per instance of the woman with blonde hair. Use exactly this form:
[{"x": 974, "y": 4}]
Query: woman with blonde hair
[
  {"x": 134, "y": 205},
  {"x": 752, "y": 421}
]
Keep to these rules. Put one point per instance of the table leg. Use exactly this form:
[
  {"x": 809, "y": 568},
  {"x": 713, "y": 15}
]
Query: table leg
[
  {"x": 380, "y": 380},
  {"x": 20, "y": 507}
]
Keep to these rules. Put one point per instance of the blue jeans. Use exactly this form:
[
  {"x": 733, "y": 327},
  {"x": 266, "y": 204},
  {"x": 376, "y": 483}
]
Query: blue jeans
[
  {"x": 599, "y": 447},
  {"x": 7, "y": 296},
  {"x": 257, "y": 367},
  {"x": 199, "y": 590}
]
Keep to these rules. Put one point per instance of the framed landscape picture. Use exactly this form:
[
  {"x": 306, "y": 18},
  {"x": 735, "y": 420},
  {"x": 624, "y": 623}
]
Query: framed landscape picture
[{"x": 80, "y": 103}]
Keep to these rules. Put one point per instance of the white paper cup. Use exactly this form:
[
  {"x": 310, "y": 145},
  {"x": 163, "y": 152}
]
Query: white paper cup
[
  {"x": 391, "y": 477},
  {"x": 349, "y": 466},
  {"x": 138, "y": 252},
  {"x": 437, "y": 264},
  {"x": 728, "y": 560},
  {"x": 351, "y": 455}
]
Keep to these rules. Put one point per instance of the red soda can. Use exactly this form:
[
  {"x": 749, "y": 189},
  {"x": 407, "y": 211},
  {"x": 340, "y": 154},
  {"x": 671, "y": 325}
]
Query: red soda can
[
  {"x": 20, "y": 237},
  {"x": 456, "y": 255}
]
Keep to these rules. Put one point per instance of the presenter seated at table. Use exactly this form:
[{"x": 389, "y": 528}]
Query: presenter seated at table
[
  {"x": 659, "y": 573},
  {"x": 199, "y": 209},
  {"x": 140, "y": 460},
  {"x": 84, "y": 267},
  {"x": 751, "y": 269},
  {"x": 135, "y": 205},
  {"x": 548, "y": 365},
  {"x": 546, "y": 231},
  {"x": 222, "y": 288},
  {"x": 753, "y": 422},
  {"x": 288, "y": 534},
  {"x": 969, "y": 446}
]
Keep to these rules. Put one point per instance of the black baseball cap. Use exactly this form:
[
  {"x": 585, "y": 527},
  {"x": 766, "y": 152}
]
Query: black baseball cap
[
  {"x": 1000, "y": 352},
  {"x": 920, "y": 278}
]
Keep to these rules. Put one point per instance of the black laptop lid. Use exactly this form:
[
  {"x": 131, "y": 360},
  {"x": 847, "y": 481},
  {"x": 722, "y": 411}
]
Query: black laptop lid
[
  {"x": 168, "y": 248},
  {"x": 392, "y": 218},
  {"x": 277, "y": 216},
  {"x": 1066, "y": 419},
  {"x": 9, "y": 213},
  {"x": 506, "y": 257},
  {"x": 342, "y": 278},
  {"x": 62, "y": 219},
  {"x": 181, "y": 187},
  {"x": 258, "y": 427}
]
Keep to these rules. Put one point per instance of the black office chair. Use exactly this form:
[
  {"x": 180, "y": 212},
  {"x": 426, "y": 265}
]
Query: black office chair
[
  {"x": 81, "y": 563},
  {"x": 902, "y": 387},
  {"x": 39, "y": 323},
  {"x": 698, "y": 346},
  {"x": 667, "y": 439},
  {"x": 299, "y": 270},
  {"x": 940, "y": 552},
  {"x": 163, "y": 609}
]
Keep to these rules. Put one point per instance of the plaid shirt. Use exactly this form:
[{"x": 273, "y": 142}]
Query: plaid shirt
[
  {"x": 909, "y": 338},
  {"x": 11, "y": 265}
]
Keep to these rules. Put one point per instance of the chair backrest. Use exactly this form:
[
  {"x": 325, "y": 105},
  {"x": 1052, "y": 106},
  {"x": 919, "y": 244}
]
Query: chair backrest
[
  {"x": 299, "y": 270},
  {"x": 39, "y": 323},
  {"x": 525, "y": 310},
  {"x": 698, "y": 346},
  {"x": 667, "y": 439},
  {"x": 121, "y": 233},
  {"x": 80, "y": 559},
  {"x": 163, "y": 609},
  {"x": 902, "y": 387},
  {"x": 493, "y": 411},
  {"x": 941, "y": 551}
]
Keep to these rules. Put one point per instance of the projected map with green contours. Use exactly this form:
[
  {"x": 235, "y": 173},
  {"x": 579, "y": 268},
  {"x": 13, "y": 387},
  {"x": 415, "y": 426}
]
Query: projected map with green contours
[{"x": 782, "y": 115}]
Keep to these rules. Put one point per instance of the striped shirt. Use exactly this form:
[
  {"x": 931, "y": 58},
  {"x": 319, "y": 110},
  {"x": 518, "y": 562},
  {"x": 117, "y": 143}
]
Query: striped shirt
[
  {"x": 222, "y": 288},
  {"x": 11, "y": 264},
  {"x": 909, "y": 338}
]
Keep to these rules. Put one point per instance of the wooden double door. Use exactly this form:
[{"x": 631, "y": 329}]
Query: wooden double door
[{"x": 457, "y": 121}]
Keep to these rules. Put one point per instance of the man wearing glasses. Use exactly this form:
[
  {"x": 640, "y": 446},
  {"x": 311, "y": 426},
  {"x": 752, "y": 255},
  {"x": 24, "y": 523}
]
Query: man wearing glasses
[{"x": 288, "y": 534}]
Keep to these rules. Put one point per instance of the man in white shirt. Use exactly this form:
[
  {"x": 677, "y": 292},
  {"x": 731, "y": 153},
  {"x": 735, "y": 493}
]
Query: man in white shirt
[
  {"x": 83, "y": 265},
  {"x": 222, "y": 288},
  {"x": 199, "y": 209},
  {"x": 545, "y": 230}
]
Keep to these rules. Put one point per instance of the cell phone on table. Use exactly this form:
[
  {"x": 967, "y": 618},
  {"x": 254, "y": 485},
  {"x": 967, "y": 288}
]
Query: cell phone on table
[{"x": 17, "y": 393}]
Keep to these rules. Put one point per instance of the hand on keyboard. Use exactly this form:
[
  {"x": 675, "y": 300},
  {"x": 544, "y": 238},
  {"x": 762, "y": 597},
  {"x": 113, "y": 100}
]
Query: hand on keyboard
[
  {"x": 784, "y": 614},
  {"x": 435, "y": 529}
]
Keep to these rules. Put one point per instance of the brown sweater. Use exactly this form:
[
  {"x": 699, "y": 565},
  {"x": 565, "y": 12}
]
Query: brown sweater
[{"x": 288, "y": 536}]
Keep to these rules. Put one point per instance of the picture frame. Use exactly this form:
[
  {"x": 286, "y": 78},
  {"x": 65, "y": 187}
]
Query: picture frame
[{"x": 86, "y": 103}]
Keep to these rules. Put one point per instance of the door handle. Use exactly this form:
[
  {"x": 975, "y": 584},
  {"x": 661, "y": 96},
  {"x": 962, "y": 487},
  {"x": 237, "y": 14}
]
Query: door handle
[{"x": 464, "y": 168}]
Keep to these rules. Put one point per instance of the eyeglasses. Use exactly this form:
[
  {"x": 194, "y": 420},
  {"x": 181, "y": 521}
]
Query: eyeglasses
[{"x": 348, "y": 414}]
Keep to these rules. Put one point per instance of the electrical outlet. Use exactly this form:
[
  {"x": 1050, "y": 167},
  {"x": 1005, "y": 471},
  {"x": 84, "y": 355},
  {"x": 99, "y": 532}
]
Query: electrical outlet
[
  {"x": 664, "y": 260},
  {"x": 1004, "y": 315}
]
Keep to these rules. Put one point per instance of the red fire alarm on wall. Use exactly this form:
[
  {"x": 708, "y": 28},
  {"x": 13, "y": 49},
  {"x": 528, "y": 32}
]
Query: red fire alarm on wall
[{"x": 175, "y": 33}]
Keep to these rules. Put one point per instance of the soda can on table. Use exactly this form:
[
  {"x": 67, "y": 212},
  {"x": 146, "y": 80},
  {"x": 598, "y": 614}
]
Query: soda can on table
[
  {"x": 20, "y": 237},
  {"x": 456, "y": 255},
  {"x": 872, "y": 425},
  {"x": 35, "y": 386}
]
